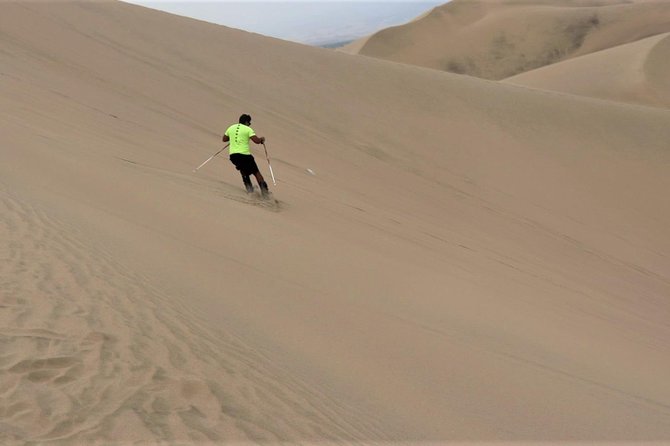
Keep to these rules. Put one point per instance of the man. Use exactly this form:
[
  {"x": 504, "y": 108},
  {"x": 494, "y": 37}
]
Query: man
[{"x": 240, "y": 155}]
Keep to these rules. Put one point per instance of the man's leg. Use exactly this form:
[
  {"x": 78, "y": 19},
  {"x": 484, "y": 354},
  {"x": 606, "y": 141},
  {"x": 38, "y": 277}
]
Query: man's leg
[
  {"x": 261, "y": 182},
  {"x": 238, "y": 162},
  {"x": 247, "y": 183}
]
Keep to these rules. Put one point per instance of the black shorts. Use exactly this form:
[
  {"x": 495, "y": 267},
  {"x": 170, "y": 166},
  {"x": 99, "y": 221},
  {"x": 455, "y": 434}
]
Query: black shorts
[{"x": 246, "y": 164}]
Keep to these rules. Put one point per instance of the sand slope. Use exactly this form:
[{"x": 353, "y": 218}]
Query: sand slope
[
  {"x": 637, "y": 73},
  {"x": 471, "y": 260},
  {"x": 495, "y": 39}
]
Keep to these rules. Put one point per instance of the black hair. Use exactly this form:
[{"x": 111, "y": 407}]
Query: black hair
[{"x": 245, "y": 119}]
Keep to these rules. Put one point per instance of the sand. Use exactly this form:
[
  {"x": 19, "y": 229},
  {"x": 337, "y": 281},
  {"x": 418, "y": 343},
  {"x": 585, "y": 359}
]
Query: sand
[
  {"x": 496, "y": 39},
  {"x": 635, "y": 73},
  {"x": 467, "y": 261}
]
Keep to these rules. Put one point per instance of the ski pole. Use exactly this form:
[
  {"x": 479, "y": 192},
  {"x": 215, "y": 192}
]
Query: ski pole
[
  {"x": 210, "y": 158},
  {"x": 269, "y": 165}
]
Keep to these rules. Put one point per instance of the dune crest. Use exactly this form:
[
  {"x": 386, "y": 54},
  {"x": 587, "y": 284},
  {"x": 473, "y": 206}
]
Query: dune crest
[
  {"x": 636, "y": 73},
  {"x": 499, "y": 39}
]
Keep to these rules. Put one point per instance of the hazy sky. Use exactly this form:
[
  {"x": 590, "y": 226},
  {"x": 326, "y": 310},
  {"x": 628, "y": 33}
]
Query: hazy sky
[{"x": 306, "y": 21}]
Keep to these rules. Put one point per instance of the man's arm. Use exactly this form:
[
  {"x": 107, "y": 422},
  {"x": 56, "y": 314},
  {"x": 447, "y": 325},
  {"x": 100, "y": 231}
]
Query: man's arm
[
  {"x": 258, "y": 140},
  {"x": 226, "y": 138}
]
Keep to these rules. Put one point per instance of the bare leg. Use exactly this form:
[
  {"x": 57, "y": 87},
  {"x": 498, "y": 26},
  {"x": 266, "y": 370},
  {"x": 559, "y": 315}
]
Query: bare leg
[{"x": 259, "y": 177}]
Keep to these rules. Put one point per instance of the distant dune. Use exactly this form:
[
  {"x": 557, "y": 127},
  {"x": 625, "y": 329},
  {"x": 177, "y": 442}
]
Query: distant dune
[
  {"x": 445, "y": 259},
  {"x": 496, "y": 39},
  {"x": 637, "y": 72}
]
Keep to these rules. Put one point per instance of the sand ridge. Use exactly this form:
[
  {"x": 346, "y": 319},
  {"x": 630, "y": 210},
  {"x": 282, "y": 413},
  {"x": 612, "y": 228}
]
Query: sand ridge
[
  {"x": 634, "y": 73},
  {"x": 499, "y": 39}
]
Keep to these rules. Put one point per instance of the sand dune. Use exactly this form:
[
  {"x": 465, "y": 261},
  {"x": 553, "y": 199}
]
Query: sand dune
[
  {"x": 638, "y": 72},
  {"x": 469, "y": 261},
  {"x": 93, "y": 351},
  {"x": 495, "y": 39}
]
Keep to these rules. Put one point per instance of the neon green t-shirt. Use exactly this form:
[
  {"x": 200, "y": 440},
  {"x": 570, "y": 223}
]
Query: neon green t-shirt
[{"x": 239, "y": 135}]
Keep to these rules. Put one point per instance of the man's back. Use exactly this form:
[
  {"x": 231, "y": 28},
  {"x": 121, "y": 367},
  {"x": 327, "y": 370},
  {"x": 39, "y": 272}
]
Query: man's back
[{"x": 239, "y": 135}]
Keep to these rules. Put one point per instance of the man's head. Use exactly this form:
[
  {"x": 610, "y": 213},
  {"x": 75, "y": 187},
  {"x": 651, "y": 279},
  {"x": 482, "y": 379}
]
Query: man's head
[{"x": 245, "y": 119}]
